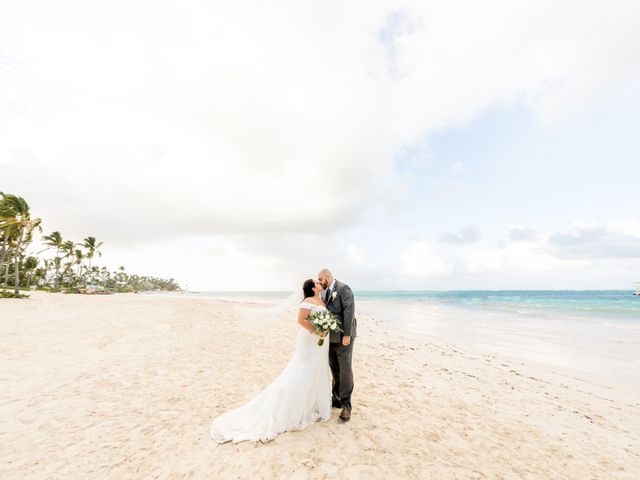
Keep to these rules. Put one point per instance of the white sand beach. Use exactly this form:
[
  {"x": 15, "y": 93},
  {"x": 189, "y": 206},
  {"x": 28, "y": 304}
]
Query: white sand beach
[{"x": 125, "y": 386}]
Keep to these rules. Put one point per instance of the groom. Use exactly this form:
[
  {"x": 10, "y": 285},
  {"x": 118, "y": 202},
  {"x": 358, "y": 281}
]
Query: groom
[{"x": 339, "y": 300}]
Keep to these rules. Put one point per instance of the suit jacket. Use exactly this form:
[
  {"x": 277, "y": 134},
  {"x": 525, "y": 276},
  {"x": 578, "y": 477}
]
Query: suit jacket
[{"x": 343, "y": 306}]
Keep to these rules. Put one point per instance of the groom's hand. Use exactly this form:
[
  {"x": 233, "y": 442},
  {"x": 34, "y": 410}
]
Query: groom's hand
[{"x": 346, "y": 340}]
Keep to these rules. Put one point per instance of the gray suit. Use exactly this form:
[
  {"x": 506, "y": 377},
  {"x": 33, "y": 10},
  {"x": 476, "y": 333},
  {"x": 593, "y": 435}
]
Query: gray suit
[{"x": 341, "y": 303}]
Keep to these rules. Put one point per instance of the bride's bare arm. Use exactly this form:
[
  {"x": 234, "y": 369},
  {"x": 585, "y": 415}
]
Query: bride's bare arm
[{"x": 303, "y": 319}]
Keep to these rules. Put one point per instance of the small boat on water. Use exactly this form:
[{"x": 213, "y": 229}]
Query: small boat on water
[{"x": 637, "y": 285}]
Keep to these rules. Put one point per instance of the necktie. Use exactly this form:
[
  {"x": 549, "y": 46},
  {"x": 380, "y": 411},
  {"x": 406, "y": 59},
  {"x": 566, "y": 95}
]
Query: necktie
[{"x": 328, "y": 295}]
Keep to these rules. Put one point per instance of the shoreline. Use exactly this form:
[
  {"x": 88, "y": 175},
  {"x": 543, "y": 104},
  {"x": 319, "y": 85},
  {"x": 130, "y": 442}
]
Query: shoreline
[
  {"x": 629, "y": 391},
  {"x": 585, "y": 347},
  {"x": 127, "y": 385},
  {"x": 605, "y": 351}
]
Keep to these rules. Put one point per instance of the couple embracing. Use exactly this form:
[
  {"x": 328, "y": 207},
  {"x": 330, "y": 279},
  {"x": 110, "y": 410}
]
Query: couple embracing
[{"x": 303, "y": 393}]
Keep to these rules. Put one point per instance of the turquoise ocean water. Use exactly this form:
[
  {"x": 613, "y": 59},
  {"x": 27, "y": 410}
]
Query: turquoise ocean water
[{"x": 595, "y": 331}]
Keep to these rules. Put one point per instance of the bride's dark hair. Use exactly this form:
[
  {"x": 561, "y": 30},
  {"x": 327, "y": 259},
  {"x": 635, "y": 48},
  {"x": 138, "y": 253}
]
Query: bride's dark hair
[{"x": 307, "y": 288}]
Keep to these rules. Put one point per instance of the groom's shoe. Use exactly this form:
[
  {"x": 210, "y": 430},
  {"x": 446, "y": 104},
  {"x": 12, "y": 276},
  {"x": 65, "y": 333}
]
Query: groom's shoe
[{"x": 345, "y": 414}]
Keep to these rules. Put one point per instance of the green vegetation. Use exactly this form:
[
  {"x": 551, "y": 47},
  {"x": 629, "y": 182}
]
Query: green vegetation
[
  {"x": 10, "y": 294},
  {"x": 70, "y": 270}
]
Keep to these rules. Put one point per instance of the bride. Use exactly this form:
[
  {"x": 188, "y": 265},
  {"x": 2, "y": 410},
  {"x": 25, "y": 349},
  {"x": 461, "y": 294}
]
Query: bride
[{"x": 298, "y": 397}]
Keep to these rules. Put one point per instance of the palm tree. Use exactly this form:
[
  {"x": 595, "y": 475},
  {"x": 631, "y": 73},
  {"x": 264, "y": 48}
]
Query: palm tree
[
  {"x": 79, "y": 258},
  {"x": 28, "y": 238},
  {"x": 8, "y": 231},
  {"x": 4, "y": 238},
  {"x": 121, "y": 278},
  {"x": 16, "y": 233},
  {"x": 93, "y": 275},
  {"x": 68, "y": 248},
  {"x": 15, "y": 211},
  {"x": 92, "y": 247},
  {"x": 30, "y": 265},
  {"x": 55, "y": 241},
  {"x": 8, "y": 266},
  {"x": 42, "y": 273}
]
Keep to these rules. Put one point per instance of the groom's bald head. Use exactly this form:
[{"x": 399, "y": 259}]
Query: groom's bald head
[{"x": 325, "y": 277}]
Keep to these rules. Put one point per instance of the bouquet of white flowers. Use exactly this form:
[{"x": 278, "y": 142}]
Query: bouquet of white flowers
[{"x": 323, "y": 322}]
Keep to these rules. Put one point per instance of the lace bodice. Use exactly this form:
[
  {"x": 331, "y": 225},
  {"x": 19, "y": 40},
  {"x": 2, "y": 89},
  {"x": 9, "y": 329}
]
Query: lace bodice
[{"x": 313, "y": 307}]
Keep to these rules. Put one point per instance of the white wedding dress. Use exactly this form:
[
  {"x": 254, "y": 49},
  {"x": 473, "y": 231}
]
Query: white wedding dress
[{"x": 297, "y": 398}]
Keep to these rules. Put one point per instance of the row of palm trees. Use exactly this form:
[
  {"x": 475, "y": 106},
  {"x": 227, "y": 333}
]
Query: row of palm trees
[
  {"x": 16, "y": 230},
  {"x": 71, "y": 269},
  {"x": 70, "y": 256}
]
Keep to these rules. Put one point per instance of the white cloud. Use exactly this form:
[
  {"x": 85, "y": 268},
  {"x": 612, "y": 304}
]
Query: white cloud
[
  {"x": 581, "y": 247},
  {"x": 520, "y": 257},
  {"x": 629, "y": 226},
  {"x": 421, "y": 261},
  {"x": 140, "y": 121},
  {"x": 532, "y": 257},
  {"x": 520, "y": 232},
  {"x": 357, "y": 255},
  {"x": 209, "y": 107},
  {"x": 597, "y": 241},
  {"x": 218, "y": 120},
  {"x": 465, "y": 235},
  {"x": 483, "y": 261}
]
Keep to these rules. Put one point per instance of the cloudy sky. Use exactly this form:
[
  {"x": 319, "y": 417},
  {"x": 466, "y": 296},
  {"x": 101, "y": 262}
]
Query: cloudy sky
[{"x": 405, "y": 145}]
